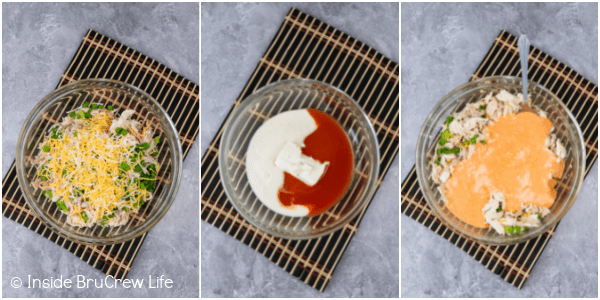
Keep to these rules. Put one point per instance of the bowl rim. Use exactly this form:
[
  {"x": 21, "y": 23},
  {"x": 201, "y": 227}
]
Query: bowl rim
[
  {"x": 371, "y": 185},
  {"x": 171, "y": 193},
  {"x": 467, "y": 87}
]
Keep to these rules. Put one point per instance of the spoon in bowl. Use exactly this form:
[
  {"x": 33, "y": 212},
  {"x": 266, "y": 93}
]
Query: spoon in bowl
[
  {"x": 524, "y": 54},
  {"x": 523, "y": 44}
]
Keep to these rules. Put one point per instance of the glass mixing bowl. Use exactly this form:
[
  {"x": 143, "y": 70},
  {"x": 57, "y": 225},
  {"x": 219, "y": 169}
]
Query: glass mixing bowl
[
  {"x": 122, "y": 96},
  {"x": 566, "y": 129},
  {"x": 290, "y": 95}
]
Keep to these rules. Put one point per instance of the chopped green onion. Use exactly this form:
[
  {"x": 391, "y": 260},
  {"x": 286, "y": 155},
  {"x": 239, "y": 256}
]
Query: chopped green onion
[
  {"x": 44, "y": 178},
  {"x": 474, "y": 139},
  {"x": 125, "y": 208},
  {"x": 481, "y": 107},
  {"x": 445, "y": 134},
  {"x": 484, "y": 116},
  {"x": 46, "y": 148},
  {"x": 125, "y": 166},
  {"x": 149, "y": 185},
  {"x": 526, "y": 228},
  {"x": 61, "y": 205},
  {"x": 154, "y": 153},
  {"x": 539, "y": 216},
  {"x": 442, "y": 142},
  {"x": 499, "y": 209},
  {"x": 100, "y": 106},
  {"x": 65, "y": 172},
  {"x": 75, "y": 134},
  {"x": 518, "y": 229},
  {"x": 110, "y": 107},
  {"x": 48, "y": 194},
  {"x": 508, "y": 229},
  {"x": 103, "y": 223},
  {"x": 72, "y": 114},
  {"x": 86, "y": 104},
  {"x": 438, "y": 160},
  {"x": 449, "y": 120},
  {"x": 456, "y": 150},
  {"x": 94, "y": 106},
  {"x": 121, "y": 131},
  {"x": 483, "y": 142},
  {"x": 157, "y": 139},
  {"x": 84, "y": 216}
]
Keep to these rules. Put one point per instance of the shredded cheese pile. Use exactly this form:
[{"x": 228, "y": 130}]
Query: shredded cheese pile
[{"x": 95, "y": 166}]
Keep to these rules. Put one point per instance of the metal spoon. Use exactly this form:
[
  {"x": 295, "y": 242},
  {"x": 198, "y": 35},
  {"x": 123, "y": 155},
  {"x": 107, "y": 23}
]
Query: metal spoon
[{"x": 524, "y": 54}]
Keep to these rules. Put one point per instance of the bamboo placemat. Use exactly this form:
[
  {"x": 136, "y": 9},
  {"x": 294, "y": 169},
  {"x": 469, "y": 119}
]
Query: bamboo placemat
[
  {"x": 514, "y": 263},
  {"x": 99, "y": 56},
  {"x": 305, "y": 47}
]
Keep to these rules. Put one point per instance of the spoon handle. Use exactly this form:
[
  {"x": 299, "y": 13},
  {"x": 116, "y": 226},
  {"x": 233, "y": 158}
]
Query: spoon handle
[{"x": 524, "y": 54}]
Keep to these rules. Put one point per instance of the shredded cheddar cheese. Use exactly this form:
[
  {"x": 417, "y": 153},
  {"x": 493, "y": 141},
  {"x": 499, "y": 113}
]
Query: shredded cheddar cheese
[{"x": 97, "y": 173}]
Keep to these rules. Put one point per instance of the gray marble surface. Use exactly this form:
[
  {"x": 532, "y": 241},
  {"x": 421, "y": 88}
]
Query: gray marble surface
[
  {"x": 38, "y": 42},
  {"x": 234, "y": 37},
  {"x": 442, "y": 45}
]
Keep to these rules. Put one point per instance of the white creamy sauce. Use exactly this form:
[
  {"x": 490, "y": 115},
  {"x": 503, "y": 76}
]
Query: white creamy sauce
[{"x": 269, "y": 140}]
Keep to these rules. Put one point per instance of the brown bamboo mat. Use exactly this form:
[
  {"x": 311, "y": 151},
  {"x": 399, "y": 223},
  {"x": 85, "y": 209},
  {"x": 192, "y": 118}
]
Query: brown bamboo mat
[
  {"x": 99, "y": 56},
  {"x": 305, "y": 47},
  {"x": 514, "y": 263}
]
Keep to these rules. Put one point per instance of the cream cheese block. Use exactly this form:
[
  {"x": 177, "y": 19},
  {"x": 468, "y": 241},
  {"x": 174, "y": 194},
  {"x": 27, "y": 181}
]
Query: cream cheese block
[
  {"x": 273, "y": 149},
  {"x": 308, "y": 170}
]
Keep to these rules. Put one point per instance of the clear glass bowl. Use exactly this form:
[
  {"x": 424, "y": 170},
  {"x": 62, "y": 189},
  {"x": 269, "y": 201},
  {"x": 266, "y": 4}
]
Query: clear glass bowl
[
  {"x": 566, "y": 129},
  {"x": 290, "y": 95},
  {"x": 122, "y": 96}
]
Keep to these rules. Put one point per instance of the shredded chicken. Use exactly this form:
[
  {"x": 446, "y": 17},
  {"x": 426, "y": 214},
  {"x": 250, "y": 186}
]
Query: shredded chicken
[{"x": 512, "y": 222}]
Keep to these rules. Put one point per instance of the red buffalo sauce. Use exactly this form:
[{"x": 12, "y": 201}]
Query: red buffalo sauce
[{"x": 327, "y": 143}]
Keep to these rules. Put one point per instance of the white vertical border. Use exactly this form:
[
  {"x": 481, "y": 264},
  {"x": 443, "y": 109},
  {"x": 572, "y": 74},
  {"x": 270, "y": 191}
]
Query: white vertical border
[
  {"x": 400, "y": 153},
  {"x": 199, "y": 152},
  {"x": 1, "y": 139}
]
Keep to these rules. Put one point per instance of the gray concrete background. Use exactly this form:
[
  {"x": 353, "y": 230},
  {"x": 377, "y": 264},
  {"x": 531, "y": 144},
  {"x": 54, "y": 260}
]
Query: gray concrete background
[
  {"x": 38, "y": 43},
  {"x": 234, "y": 37},
  {"x": 442, "y": 45}
]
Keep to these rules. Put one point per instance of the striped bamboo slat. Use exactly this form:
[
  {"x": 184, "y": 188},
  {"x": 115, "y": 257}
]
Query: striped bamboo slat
[
  {"x": 305, "y": 47},
  {"x": 514, "y": 263},
  {"x": 99, "y": 56}
]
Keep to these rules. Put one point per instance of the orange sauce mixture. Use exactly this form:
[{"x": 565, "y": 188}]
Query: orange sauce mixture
[
  {"x": 327, "y": 143},
  {"x": 514, "y": 161}
]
